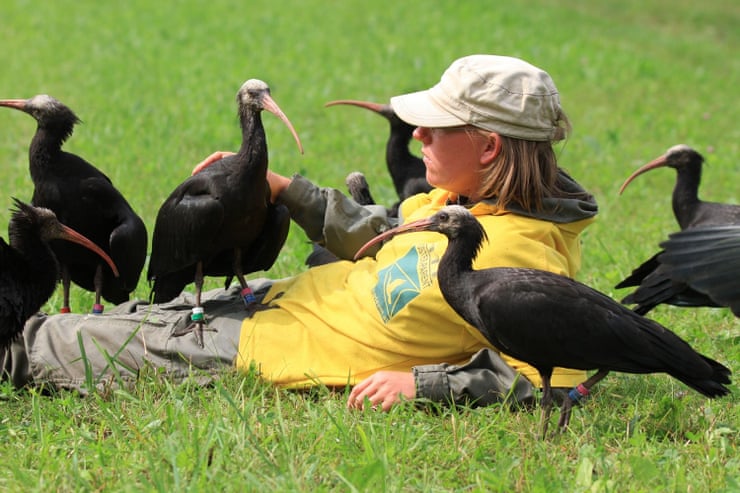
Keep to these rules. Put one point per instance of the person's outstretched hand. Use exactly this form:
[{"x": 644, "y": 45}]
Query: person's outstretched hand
[
  {"x": 216, "y": 156},
  {"x": 277, "y": 182},
  {"x": 383, "y": 390}
]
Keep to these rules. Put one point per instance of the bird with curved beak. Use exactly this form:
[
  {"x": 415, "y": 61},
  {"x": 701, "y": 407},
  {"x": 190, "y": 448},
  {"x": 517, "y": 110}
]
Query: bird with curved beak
[
  {"x": 83, "y": 198},
  {"x": 654, "y": 281},
  {"x": 29, "y": 270},
  {"x": 407, "y": 171},
  {"x": 220, "y": 220},
  {"x": 548, "y": 320}
]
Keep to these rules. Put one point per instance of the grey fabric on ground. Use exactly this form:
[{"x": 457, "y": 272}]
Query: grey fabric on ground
[{"x": 133, "y": 335}]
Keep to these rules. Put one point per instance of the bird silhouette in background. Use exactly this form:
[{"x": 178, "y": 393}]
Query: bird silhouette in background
[
  {"x": 407, "y": 171},
  {"x": 83, "y": 198},
  {"x": 29, "y": 270},
  {"x": 220, "y": 221},
  {"x": 653, "y": 280},
  {"x": 549, "y": 321}
]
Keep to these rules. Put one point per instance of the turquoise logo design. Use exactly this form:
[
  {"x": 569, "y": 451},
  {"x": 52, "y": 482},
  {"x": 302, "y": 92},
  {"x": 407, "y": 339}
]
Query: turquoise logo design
[{"x": 399, "y": 284}]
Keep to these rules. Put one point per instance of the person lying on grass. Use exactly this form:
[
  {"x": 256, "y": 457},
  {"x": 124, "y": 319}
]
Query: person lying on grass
[{"x": 379, "y": 324}]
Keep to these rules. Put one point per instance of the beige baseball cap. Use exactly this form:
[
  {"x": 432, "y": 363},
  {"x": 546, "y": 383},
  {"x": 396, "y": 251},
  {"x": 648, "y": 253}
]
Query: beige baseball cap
[{"x": 496, "y": 93}]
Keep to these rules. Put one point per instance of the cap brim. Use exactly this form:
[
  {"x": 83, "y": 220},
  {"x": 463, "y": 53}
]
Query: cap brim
[{"x": 418, "y": 108}]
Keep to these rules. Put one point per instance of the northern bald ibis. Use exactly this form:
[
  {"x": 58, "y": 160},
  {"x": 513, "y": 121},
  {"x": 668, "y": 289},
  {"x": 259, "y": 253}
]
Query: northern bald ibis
[
  {"x": 220, "y": 221},
  {"x": 548, "y": 320},
  {"x": 654, "y": 282},
  {"x": 28, "y": 268},
  {"x": 407, "y": 170},
  {"x": 83, "y": 198}
]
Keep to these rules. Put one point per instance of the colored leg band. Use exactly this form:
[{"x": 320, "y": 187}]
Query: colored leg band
[
  {"x": 248, "y": 296},
  {"x": 578, "y": 392},
  {"x": 197, "y": 314},
  {"x": 65, "y": 309},
  {"x": 97, "y": 308}
]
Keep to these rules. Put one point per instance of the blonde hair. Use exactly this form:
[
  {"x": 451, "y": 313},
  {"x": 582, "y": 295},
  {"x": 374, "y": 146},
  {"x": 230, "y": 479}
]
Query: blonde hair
[{"x": 524, "y": 172}]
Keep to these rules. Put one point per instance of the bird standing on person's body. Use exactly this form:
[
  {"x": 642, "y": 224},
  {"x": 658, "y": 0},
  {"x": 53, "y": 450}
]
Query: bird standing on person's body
[
  {"x": 220, "y": 221},
  {"x": 29, "y": 270},
  {"x": 83, "y": 198},
  {"x": 548, "y": 320},
  {"x": 654, "y": 282}
]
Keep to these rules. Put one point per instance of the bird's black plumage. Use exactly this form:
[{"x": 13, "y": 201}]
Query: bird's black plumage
[
  {"x": 706, "y": 259},
  {"x": 220, "y": 221},
  {"x": 28, "y": 268},
  {"x": 654, "y": 282},
  {"x": 85, "y": 199},
  {"x": 407, "y": 171},
  {"x": 548, "y": 320}
]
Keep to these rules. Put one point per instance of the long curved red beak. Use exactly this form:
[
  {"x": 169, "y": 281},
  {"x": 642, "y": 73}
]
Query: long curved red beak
[
  {"x": 419, "y": 225},
  {"x": 655, "y": 163}
]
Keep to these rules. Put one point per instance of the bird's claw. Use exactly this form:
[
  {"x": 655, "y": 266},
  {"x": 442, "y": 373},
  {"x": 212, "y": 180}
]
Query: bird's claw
[
  {"x": 255, "y": 306},
  {"x": 197, "y": 328}
]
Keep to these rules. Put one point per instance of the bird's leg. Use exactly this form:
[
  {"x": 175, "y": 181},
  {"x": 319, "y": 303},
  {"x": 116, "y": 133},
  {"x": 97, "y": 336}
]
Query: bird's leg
[
  {"x": 98, "y": 283},
  {"x": 250, "y": 302},
  {"x": 545, "y": 404},
  {"x": 246, "y": 291},
  {"x": 65, "y": 290},
  {"x": 198, "y": 317},
  {"x": 577, "y": 394}
]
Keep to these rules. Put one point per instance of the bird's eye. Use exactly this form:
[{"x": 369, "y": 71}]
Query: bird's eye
[{"x": 444, "y": 216}]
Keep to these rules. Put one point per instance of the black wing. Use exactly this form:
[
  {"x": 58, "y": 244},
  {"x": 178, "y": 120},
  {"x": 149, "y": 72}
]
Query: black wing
[{"x": 708, "y": 260}]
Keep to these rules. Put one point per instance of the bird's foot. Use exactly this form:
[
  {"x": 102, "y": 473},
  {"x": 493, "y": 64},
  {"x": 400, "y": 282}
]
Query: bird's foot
[
  {"x": 575, "y": 396},
  {"x": 197, "y": 326},
  {"x": 255, "y": 307}
]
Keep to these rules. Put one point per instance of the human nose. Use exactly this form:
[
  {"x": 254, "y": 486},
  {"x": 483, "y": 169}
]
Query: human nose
[{"x": 421, "y": 134}]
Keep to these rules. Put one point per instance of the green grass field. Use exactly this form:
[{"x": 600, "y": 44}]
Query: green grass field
[{"x": 155, "y": 85}]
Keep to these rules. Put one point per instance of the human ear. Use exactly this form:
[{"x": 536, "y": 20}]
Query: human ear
[{"x": 492, "y": 148}]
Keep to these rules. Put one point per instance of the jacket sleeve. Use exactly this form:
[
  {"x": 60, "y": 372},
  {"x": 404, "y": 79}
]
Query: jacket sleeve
[
  {"x": 484, "y": 380},
  {"x": 333, "y": 220}
]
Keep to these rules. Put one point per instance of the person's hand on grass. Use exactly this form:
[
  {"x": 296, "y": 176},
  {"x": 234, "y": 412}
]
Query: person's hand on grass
[{"x": 382, "y": 390}]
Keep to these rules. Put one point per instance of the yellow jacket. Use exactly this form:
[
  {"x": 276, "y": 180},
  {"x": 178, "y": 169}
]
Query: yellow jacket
[{"x": 341, "y": 322}]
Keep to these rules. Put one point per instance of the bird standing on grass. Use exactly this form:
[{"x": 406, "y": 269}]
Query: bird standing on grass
[
  {"x": 654, "y": 282},
  {"x": 407, "y": 170},
  {"x": 28, "y": 269},
  {"x": 83, "y": 198},
  {"x": 220, "y": 221},
  {"x": 548, "y": 320}
]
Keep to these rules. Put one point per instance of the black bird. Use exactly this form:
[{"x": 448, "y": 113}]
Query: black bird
[
  {"x": 85, "y": 199},
  {"x": 220, "y": 221},
  {"x": 548, "y": 320},
  {"x": 28, "y": 268},
  {"x": 706, "y": 259},
  {"x": 653, "y": 281},
  {"x": 407, "y": 170}
]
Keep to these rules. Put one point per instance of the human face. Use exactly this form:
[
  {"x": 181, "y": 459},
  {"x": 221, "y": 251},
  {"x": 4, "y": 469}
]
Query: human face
[{"x": 454, "y": 157}]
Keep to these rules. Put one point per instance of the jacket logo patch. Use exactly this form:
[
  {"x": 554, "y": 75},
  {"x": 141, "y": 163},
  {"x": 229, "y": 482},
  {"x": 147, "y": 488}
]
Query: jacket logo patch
[{"x": 401, "y": 282}]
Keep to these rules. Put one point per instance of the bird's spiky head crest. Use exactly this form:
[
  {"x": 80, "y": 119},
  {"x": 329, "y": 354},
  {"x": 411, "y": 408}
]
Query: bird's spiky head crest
[
  {"x": 51, "y": 113},
  {"x": 26, "y": 217}
]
